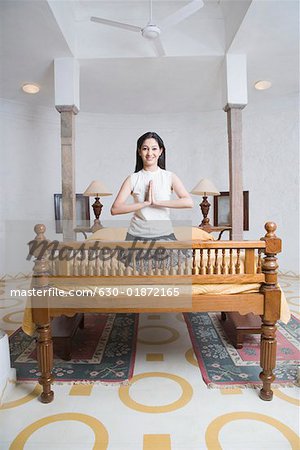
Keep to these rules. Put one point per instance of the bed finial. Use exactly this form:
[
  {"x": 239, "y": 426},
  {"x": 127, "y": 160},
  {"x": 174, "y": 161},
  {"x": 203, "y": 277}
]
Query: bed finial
[
  {"x": 270, "y": 228},
  {"x": 40, "y": 311},
  {"x": 273, "y": 243},
  {"x": 272, "y": 296},
  {"x": 40, "y": 229}
]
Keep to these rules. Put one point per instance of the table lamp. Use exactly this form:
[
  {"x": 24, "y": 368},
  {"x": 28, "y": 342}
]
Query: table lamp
[
  {"x": 96, "y": 189},
  {"x": 205, "y": 187}
]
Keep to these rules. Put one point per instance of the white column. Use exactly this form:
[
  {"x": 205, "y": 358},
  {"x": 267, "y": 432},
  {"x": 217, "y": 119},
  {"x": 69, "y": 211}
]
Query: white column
[
  {"x": 234, "y": 100},
  {"x": 66, "y": 76}
]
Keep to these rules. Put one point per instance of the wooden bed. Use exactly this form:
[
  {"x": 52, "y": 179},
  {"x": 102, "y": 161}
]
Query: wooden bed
[{"x": 210, "y": 263}]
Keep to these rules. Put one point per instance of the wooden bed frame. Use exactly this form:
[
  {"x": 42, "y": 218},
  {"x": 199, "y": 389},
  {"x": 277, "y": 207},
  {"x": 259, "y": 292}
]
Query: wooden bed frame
[{"x": 260, "y": 266}]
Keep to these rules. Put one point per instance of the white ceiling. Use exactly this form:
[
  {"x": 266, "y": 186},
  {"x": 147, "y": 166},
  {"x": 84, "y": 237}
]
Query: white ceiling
[{"x": 119, "y": 70}]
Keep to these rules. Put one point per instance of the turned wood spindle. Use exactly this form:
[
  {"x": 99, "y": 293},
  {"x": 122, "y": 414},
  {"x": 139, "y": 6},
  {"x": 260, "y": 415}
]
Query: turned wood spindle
[
  {"x": 202, "y": 266},
  {"x": 186, "y": 266},
  {"x": 90, "y": 262},
  {"x": 238, "y": 264},
  {"x": 216, "y": 264},
  {"x": 208, "y": 265},
  {"x": 258, "y": 270},
  {"x": 179, "y": 256},
  {"x": 223, "y": 264},
  {"x": 194, "y": 262},
  {"x": 97, "y": 263},
  {"x": 230, "y": 268}
]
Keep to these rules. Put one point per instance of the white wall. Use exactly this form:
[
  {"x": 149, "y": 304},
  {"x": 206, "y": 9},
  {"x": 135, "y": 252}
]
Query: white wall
[
  {"x": 105, "y": 149},
  {"x": 271, "y": 172}
]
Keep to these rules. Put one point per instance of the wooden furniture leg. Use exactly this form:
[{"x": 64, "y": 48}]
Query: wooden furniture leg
[
  {"x": 267, "y": 358},
  {"x": 40, "y": 312},
  {"x": 272, "y": 297},
  {"x": 45, "y": 361}
]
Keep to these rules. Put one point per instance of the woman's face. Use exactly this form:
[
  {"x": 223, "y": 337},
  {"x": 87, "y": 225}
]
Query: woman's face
[{"x": 150, "y": 152}]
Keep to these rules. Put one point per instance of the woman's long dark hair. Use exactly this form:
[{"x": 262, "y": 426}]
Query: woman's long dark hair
[{"x": 161, "y": 160}]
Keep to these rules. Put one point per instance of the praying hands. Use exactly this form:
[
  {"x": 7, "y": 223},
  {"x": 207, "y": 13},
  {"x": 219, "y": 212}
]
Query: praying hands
[{"x": 150, "y": 198}]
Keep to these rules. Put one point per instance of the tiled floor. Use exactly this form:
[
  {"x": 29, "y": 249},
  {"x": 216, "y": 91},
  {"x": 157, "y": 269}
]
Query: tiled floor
[{"x": 167, "y": 405}]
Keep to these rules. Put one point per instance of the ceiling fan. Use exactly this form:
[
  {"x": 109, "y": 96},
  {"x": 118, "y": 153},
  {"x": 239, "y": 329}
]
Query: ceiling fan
[{"x": 152, "y": 31}]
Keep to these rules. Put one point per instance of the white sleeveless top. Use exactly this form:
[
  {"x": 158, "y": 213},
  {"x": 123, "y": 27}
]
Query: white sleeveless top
[{"x": 151, "y": 221}]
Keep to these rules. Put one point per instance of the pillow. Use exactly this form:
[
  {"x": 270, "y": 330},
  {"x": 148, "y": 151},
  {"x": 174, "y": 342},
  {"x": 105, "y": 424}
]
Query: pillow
[
  {"x": 109, "y": 234},
  {"x": 181, "y": 233},
  {"x": 202, "y": 235},
  {"x": 194, "y": 233}
]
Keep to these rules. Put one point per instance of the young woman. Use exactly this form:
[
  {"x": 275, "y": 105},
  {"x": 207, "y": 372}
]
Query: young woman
[{"x": 151, "y": 187}]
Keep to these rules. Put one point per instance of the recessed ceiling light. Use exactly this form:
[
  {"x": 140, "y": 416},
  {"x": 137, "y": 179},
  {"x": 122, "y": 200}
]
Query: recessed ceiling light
[
  {"x": 262, "y": 85},
  {"x": 31, "y": 88}
]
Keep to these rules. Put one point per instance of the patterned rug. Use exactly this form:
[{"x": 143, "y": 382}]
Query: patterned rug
[
  {"x": 104, "y": 351},
  {"x": 223, "y": 365}
]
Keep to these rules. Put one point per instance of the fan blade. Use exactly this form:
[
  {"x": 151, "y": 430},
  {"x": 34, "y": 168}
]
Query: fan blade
[
  {"x": 112, "y": 23},
  {"x": 158, "y": 47},
  {"x": 181, "y": 14}
]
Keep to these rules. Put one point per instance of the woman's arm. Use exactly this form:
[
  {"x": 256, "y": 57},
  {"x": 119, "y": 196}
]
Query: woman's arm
[
  {"x": 120, "y": 207},
  {"x": 184, "y": 199}
]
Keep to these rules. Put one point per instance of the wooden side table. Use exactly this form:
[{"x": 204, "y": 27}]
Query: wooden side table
[
  {"x": 83, "y": 230},
  {"x": 237, "y": 326},
  {"x": 220, "y": 230}
]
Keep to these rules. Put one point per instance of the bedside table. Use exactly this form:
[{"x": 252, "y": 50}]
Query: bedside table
[
  {"x": 219, "y": 230},
  {"x": 83, "y": 230}
]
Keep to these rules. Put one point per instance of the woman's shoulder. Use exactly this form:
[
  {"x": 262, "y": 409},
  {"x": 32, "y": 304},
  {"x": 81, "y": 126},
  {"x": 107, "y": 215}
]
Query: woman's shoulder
[
  {"x": 135, "y": 175},
  {"x": 136, "y": 178},
  {"x": 166, "y": 173}
]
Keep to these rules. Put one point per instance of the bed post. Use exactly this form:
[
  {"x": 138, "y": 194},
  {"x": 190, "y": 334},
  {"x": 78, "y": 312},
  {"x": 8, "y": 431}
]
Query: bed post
[
  {"x": 40, "y": 312},
  {"x": 272, "y": 297}
]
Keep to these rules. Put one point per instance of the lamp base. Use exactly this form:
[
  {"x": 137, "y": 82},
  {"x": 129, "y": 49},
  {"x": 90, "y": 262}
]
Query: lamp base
[
  {"x": 204, "y": 206},
  {"x": 97, "y": 225},
  {"x": 205, "y": 223}
]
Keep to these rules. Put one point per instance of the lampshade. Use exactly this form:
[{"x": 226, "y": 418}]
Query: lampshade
[
  {"x": 96, "y": 189},
  {"x": 205, "y": 187}
]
